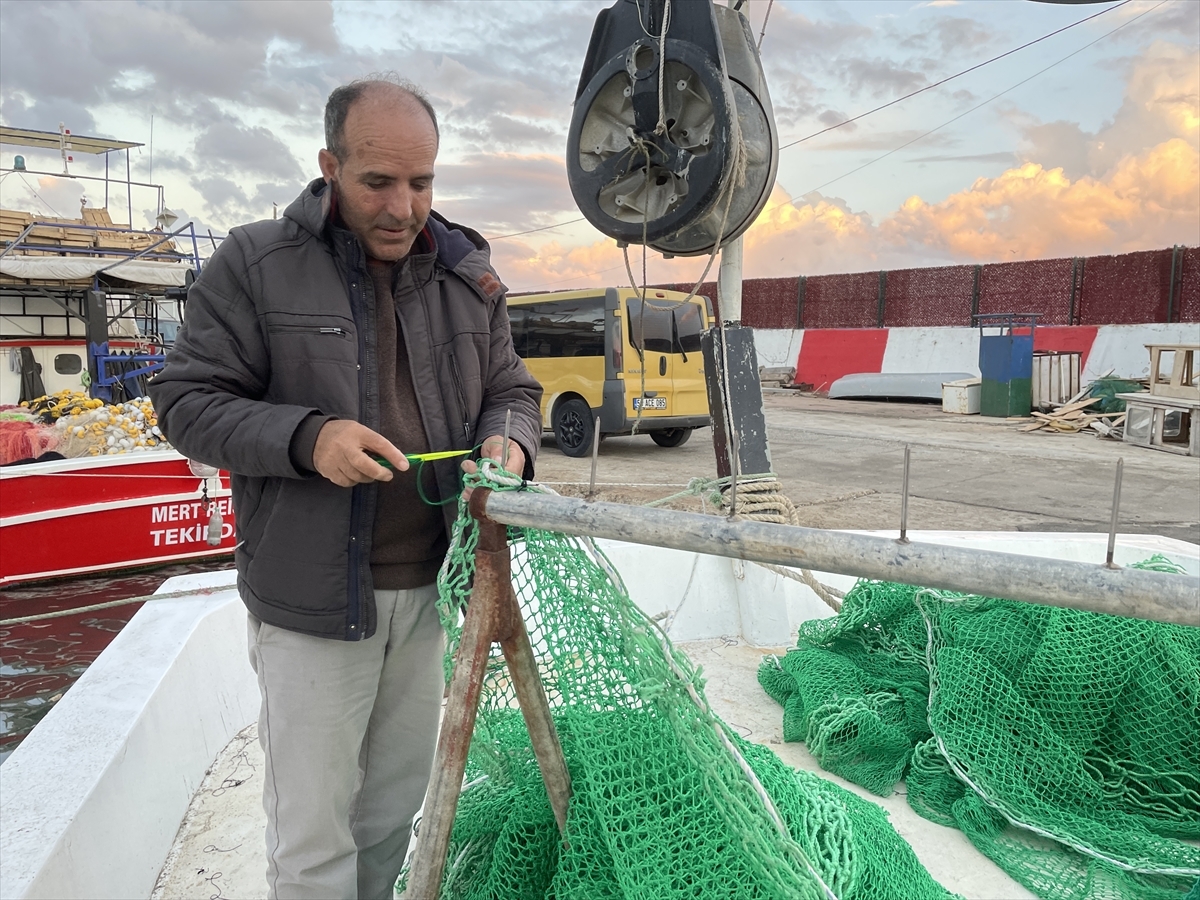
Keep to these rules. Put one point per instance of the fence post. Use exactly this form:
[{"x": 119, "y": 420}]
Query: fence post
[
  {"x": 1078, "y": 269},
  {"x": 1078, "y": 264},
  {"x": 882, "y": 298},
  {"x": 800, "y": 287},
  {"x": 1172, "y": 282},
  {"x": 975, "y": 293}
]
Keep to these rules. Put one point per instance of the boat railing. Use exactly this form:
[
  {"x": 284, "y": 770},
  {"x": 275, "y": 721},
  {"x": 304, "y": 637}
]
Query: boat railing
[{"x": 28, "y": 242}]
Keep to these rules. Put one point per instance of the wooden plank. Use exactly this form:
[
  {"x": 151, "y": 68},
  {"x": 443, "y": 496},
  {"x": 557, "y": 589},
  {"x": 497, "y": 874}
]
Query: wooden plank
[{"x": 1074, "y": 405}]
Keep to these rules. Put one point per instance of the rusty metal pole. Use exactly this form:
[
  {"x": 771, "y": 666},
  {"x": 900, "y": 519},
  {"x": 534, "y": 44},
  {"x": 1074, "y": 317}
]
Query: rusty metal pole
[
  {"x": 458, "y": 723},
  {"x": 531, "y": 694},
  {"x": 492, "y": 615}
]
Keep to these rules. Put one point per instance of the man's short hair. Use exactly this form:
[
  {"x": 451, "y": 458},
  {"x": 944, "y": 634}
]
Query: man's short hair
[{"x": 337, "y": 107}]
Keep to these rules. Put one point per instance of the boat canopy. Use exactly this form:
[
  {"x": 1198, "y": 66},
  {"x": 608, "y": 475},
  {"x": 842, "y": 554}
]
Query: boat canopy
[{"x": 57, "y": 268}]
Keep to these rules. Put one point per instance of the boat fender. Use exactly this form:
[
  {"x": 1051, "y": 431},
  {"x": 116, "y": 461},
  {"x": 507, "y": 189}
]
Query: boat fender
[{"x": 215, "y": 525}]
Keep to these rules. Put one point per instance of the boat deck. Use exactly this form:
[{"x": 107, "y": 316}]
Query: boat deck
[{"x": 219, "y": 849}]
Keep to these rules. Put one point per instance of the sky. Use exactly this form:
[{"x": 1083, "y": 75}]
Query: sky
[{"x": 1060, "y": 149}]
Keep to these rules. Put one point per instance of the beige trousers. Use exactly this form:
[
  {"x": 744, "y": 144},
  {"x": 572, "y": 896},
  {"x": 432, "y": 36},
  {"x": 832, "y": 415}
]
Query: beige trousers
[{"x": 349, "y": 730}]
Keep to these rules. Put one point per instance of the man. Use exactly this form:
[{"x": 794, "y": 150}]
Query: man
[{"x": 361, "y": 324}]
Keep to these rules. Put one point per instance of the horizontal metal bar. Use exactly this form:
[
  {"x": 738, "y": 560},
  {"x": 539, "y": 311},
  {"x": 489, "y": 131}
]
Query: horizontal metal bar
[
  {"x": 73, "y": 176},
  {"x": 1050, "y": 582}
]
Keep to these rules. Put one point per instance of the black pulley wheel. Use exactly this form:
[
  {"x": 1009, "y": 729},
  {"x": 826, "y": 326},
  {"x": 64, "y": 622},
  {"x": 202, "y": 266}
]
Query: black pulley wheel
[
  {"x": 574, "y": 428},
  {"x": 623, "y": 176},
  {"x": 678, "y": 153},
  {"x": 671, "y": 437}
]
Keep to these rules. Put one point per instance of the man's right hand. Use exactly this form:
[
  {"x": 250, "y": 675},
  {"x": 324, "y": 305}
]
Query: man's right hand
[{"x": 343, "y": 454}]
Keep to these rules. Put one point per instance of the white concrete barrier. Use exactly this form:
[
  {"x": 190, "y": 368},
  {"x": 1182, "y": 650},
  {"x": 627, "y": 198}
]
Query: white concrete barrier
[
  {"x": 1122, "y": 348},
  {"x": 777, "y": 347},
  {"x": 932, "y": 350},
  {"x": 1119, "y": 350},
  {"x": 91, "y": 800}
]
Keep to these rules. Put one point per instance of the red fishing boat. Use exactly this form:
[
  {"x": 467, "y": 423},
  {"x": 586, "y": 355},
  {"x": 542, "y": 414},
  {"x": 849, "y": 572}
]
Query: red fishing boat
[
  {"x": 75, "y": 516},
  {"x": 87, "y": 308}
]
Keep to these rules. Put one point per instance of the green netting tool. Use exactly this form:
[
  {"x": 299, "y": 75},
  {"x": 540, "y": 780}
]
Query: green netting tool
[{"x": 423, "y": 457}]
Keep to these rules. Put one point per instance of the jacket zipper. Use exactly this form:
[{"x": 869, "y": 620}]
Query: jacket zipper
[
  {"x": 310, "y": 329},
  {"x": 462, "y": 397},
  {"x": 354, "y": 599}
]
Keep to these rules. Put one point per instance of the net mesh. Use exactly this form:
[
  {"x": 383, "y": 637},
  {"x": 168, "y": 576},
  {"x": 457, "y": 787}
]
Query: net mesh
[
  {"x": 770, "y": 302},
  {"x": 1126, "y": 289},
  {"x": 1064, "y": 744},
  {"x": 929, "y": 297},
  {"x": 1187, "y": 304},
  {"x": 1031, "y": 286},
  {"x": 667, "y": 801},
  {"x": 842, "y": 301}
]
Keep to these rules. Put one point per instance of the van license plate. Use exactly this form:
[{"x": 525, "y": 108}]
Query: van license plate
[{"x": 649, "y": 402}]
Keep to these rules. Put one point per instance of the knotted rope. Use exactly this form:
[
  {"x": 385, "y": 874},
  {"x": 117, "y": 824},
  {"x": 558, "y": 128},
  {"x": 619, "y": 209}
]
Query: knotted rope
[{"x": 760, "y": 498}]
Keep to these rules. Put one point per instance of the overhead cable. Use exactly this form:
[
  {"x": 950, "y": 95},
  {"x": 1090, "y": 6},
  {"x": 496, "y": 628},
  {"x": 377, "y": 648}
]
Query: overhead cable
[
  {"x": 930, "y": 87},
  {"x": 921, "y": 137},
  {"x": 501, "y": 237}
]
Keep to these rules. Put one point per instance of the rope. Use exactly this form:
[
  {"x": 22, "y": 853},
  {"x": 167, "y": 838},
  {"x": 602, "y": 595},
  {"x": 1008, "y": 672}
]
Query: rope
[
  {"x": 61, "y": 613},
  {"x": 760, "y": 498},
  {"x": 737, "y": 179}
]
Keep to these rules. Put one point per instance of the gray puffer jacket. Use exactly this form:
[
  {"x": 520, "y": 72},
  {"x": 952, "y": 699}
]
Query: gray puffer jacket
[{"x": 280, "y": 335}]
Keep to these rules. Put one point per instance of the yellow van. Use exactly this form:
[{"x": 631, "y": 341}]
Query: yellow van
[{"x": 587, "y": 349}]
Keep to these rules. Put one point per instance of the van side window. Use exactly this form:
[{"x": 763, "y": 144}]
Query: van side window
[
  {"x": 688, "y": 326},
  {"x": 563, "y": 328},
  {"x": 656, "y": 327},
  {"x": 517, "y": 319}
]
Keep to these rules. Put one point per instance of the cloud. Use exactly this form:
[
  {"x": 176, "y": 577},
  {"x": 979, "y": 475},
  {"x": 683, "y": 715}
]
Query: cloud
[
  {"x": 1000, "y": 156},
  {"x": 1161, "y": 102},
  {"x": 249, "y": 150},
  {"x": 1148, "y": 200},
  {"x": 882, "y": 77},
  {"x": 501, "y": 192}
]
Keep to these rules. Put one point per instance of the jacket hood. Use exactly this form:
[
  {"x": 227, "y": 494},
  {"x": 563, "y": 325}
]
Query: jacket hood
[{"x": 460, "y": 249}]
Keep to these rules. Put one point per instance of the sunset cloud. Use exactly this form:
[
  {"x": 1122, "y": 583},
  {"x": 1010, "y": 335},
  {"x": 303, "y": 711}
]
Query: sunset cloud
[{"x": 1149, "y": 200}]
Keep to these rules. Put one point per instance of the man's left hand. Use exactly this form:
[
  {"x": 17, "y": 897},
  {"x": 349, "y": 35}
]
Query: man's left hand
[{"x": 493, "y": 448}]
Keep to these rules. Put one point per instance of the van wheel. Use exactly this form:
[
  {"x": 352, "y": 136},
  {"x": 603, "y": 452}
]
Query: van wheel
[
  {"x": 672, "y": 437},
  {"x": 574, "y": 427}
]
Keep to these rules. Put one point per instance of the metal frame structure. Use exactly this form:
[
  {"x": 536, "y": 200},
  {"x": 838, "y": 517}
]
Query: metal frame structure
[
  {"x": 67, "y": 144},
  {"x": 493, "y": 615},
  {"x": 107, "y": 369}
]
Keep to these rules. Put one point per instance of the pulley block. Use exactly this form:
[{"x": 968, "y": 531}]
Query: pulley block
[{"x": 653, "y": 149}]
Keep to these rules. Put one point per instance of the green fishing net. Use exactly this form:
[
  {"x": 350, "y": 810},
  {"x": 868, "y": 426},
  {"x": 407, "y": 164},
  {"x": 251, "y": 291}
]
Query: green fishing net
[
  {"x": 1064, "y": 744},
  {"x": 667, "y": 801}
]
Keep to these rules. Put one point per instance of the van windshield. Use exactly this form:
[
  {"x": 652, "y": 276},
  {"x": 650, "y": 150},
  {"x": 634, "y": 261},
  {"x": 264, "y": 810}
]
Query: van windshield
[
  {"x": 666, "y": 329},
  {"x": 652, "y": 328}
]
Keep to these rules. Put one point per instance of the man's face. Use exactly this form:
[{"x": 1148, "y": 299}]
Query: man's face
[{"x": 384, "y": 183}]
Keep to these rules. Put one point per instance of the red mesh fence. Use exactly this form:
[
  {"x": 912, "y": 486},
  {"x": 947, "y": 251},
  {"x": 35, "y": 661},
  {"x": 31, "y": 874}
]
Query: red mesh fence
[
  {"x": 1100, "y": 290},
  {"x": 1125, "y": 289},
  {"x": 841, "y": 301},
  {"x": 1033, "y": 286},
  {"x": 929, "y": 297},
  {"x": 1187, "y": 294},
  {"x": 770, "y": 302}
]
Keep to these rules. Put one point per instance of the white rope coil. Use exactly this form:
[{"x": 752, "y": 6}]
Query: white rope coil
[{"x": 762, "y": 499}]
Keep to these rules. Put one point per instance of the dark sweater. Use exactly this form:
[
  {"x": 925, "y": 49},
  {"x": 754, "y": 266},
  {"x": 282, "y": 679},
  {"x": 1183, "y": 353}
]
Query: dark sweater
[{"x": 410, "y": 535}]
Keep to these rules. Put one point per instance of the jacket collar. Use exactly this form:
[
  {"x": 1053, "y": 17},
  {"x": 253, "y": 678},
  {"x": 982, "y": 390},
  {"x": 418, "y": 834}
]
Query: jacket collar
[{"x": 455, "y": 247}]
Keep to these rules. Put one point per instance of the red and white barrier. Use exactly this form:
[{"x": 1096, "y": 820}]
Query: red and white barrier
[{"x": 822, "y": 356}]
